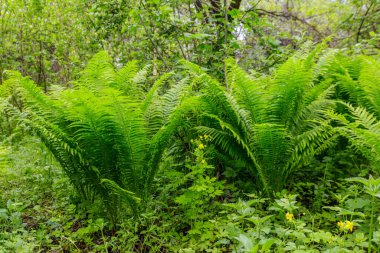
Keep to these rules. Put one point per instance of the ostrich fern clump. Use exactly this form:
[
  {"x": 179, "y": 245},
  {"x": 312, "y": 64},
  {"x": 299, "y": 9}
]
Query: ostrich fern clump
[
  {"x": 271, "y": 125},
  {"x": 274, "y": 124},
  {"x": 104, "y": 131}
]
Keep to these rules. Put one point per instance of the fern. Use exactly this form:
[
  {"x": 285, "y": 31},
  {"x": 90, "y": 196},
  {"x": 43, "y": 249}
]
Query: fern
[
  {"x": 363, "y": 131},
  {"x": 98, "y": 73},
  {"x": 369, "y": 80},
  {"x": 271, "y": 125},
  {"x": 288, "y": 89},
  {"x": 100, "y": 131}
]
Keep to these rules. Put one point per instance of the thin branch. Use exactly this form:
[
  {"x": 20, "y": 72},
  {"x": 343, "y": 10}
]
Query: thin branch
[
  {"x": 289, "y": 15},
  {"x": 362, "y": 22},
  {"x": 181, "y": 49},
  {"x": 151, "y": 40},
  {"x": 225, "y": 40}
]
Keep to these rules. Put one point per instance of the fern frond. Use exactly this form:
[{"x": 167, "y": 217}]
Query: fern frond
[
  {"x": 288, "y": 90},
  {"x": 173, "y": 97},
  {"x": 271, "y": 144},
  {"x": 162, "y": 138},
  {"x": 129, "y": 137},
  {"x": 328, "y": 65},
  {"x": 126, "y": 195},
  {"x": 142, "y": 75},
  {"x": 312, "y": 142},
  {"x": 363, "y": 132},
  {"x": 98, "y": 74},
  {"x": 370, "y": 82},
  {"x": 72, "y": 159},
  {"x": 245, "y": 146},
  {"x": 249, "y": 93},
  {"x": 153, "y": 92},
  {"x": 317, "y": 101}
]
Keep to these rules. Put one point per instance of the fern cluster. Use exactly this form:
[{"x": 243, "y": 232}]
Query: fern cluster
[
  {"x": 107, "y": 134},
  {"x": 269, "y": 125},
  {"x": 110, "y": 130}
]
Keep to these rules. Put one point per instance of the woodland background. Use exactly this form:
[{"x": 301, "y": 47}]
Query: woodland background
[{"x": 189, "y": 126}]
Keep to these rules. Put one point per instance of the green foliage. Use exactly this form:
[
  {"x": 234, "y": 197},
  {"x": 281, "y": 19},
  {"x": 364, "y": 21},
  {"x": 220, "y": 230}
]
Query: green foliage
[
  {"x": 363, "y": 133},
  {"x": 46, "y": 40},
  {"x": 38, "y": 215},
  {"x": 196, "y": 129},
  {"x": 99, "y": 133},
  {"x": 111, "y": 130},
  {"x": 203, "y": 188},
  {"x": 272, "y": 125}
]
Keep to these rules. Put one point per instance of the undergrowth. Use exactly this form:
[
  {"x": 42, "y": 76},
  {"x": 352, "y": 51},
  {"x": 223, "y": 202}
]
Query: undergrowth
[{"x": 193, "y": 211}]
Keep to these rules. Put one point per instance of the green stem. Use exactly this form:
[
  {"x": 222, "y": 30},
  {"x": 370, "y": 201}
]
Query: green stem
[
  {"x": 105, "y": 244},
  {"x": 371, "y": 224}
]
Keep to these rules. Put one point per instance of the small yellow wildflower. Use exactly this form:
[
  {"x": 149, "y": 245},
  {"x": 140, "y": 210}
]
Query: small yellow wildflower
[
  {"x": 203, "y": 161},
  {"x": 349, "y": 226},
  {"x": 206, "y": 136},
  {"x": 340, "y": 225},
  {"x": 201, "y": 146},
  {"x": 346, "y": 225},
  {"x": 289, "y": 216}
]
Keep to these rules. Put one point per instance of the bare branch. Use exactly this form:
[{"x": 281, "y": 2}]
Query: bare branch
[{"x": 289, "y": 15}]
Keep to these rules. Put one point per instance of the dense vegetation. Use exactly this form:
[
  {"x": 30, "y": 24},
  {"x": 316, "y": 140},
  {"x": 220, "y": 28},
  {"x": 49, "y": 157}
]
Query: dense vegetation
[{"x": 190, "y": 126}]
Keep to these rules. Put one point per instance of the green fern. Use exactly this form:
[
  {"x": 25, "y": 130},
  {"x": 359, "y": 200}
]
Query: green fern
[
  {"x": 363, "y": 131},
  {"x": 369, "y": 80},
  {"x": 100, "y": 131},
  {"x": 274, "y": 125}
]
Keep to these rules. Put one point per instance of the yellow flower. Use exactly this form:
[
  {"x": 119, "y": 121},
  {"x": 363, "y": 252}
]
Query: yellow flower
[
  {"x": 203, "y": 161},
  {"x": 289, "y": 216},
  {"x": 349, "y": 226},
  {"x": 341, "y": 225},
  {"x": 201, "y": 146},
  {"x": 206, "y": 136}
]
